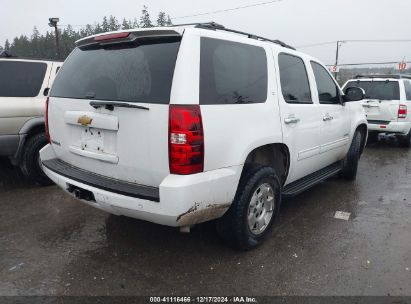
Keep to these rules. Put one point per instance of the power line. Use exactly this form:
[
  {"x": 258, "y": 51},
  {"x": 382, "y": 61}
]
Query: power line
[
  {"x": 355, "y": 40},
  {"x": 368, "y": 63},
  {"x": 226, "y": 10}
]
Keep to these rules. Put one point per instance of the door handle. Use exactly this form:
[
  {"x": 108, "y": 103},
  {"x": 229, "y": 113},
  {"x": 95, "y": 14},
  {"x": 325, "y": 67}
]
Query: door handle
[
  {"x": 291, "y": 119},
  {"x": 327, "y": 117}
]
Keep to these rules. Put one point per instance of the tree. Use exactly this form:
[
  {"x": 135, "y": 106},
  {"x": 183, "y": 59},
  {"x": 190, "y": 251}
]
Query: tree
[
  {"x": 113, "y": 24},
  {"x": 145, "y": 20},
  {"x": 104, "y": 25},
  {"x": 7, "y": 45},
  {"x": 161, "y": 19},
  {"x": 168, "y": 22},
  {"x": 126, "y": 25}
]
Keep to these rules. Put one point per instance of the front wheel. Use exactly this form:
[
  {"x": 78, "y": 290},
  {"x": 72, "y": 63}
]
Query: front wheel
[
  {"x": 350, "y": 162},
  {"x": 251, "y": 216}
]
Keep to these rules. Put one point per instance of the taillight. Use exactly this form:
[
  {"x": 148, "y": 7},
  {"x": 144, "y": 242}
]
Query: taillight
[
  {"x": 402, "y": 111},
  {"x": 111, "y": 36},
  {"x": 186, "y": 140},
  {"x": 46, "y": 119}
]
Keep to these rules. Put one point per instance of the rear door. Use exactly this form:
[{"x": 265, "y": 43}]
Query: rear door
[
  {"x": 299, "y": 114},
  {"x": 108, "y": 108},
  {"x": 382, "y": 98},
  {"x": 22, "y": 83}
]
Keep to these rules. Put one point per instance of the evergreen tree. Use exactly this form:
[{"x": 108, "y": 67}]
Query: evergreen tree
[
  {"x": 161, "y": 19},
  {"x": 7, "y": 45},
  {"x": 126, "y": 25},
  {"x": 145, "y": 20},
  {"x": 113, "y": 24},
  {"x": 168, "y": 22},
  {"x": 104, "y": 25}
]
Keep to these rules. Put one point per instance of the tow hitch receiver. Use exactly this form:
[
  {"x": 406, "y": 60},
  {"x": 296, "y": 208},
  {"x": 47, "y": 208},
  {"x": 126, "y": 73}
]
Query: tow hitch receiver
[{"x": 81, "y": 194}]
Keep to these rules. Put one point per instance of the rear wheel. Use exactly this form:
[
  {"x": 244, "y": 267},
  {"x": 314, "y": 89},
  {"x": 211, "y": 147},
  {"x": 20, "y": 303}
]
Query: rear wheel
[
  {"x": 405, "y": 141},
  {"x": 350, "y": 162},
  {"x": 30, "y": 161},
  {"x": 250, "y": 218}
]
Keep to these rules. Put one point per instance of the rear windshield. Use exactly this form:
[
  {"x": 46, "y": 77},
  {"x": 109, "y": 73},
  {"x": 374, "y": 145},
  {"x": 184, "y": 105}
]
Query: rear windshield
[
  {"x": 21, "y": 79},
  {"x": 142, "y": 73},
  {"x": 382, "y": 90}
]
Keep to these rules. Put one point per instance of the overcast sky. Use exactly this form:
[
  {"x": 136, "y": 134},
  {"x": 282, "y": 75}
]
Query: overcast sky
[{"x": 297, "y": 22}]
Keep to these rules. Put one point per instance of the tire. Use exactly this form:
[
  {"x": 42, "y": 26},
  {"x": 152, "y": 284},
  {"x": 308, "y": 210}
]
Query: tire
[
  {"x": 30, "y": 160},
  {"x": 235, "y": 225},
  {"x": 350, "y": 162},
  {"x": 405, "y": 141}
]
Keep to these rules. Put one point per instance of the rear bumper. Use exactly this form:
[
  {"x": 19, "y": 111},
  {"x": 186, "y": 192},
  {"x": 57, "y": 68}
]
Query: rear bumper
[
  {"x": 183, "y": 199},
  {"x": 392, "y": 127}
]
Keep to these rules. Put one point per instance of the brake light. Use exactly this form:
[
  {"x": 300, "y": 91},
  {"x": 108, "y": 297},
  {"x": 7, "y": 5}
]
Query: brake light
[
  {"x": 46, "y": 119},
  {"x": 186, "y": 140},
  {"x": 402, "y": 111},
  {"x": 111, "y": 36}
]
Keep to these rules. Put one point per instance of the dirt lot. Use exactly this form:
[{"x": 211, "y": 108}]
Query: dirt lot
[{"x": 51, "y": 244}]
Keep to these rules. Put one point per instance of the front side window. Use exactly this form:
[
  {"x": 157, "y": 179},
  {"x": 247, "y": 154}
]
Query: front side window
[
  {"x": 21, "y": 78},
  {"x": 294, "y": 80},
  {"x": 378, "y": 89},
  {"x": 232, "y": 73},
  {"x": 407, "y": 84},
  {"x": 328, "y": 92}
]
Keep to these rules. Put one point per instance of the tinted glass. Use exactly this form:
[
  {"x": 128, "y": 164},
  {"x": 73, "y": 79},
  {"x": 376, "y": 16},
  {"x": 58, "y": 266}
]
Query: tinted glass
[
  {"x": 294, "y": 79},
  {"x": 21, "y": 79},
  {"x": 328, "y": 92},
  {"x": 142, "y": 73},
  {"x": 382, "y": 90},
  {"x": 407, "y": 84},
  {"x": 232, "y": 72}
]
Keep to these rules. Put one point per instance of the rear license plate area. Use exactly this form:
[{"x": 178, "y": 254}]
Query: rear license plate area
[{"x": 92, "y": 140}]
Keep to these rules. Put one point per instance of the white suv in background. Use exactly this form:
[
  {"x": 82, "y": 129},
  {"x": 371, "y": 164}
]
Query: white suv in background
[
  {"x": 24, "y": 85},
  {"x": 387, "y": 101},
  {"x": 182, "y": 125}
]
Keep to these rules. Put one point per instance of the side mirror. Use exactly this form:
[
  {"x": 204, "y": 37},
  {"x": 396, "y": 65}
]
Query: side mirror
[
  {"x": 353, "y": 94},
  {"x": 46, "y": 91}
]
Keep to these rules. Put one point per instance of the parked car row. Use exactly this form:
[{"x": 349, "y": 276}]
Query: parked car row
[{"x": 187, "y": 124}]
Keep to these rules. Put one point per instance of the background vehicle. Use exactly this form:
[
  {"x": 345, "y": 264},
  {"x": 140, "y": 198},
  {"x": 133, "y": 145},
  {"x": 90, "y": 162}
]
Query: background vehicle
[
  {"x": 387, "y": 100},
  {"x": 24, "y": 83},
  {"x": 183, "y": 125}
]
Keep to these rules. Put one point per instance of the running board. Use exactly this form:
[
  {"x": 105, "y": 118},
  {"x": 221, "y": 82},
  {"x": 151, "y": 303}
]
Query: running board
[{"x": 304, "y": 183}]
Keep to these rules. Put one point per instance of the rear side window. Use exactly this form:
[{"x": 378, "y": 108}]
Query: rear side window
[
  {"x": 381, "y": 90},
  {"x": 407, "y": 84},
  {"x": 328, "y": 92},
  {"x": 294, "y": 79},
  {"x": 142, "y": 73},
  {"x": 232, "y": 73},
  {"x": 21, "y": 79}
]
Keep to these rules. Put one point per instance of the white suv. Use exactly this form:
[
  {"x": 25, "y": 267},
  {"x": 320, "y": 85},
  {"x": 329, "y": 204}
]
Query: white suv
[
  {"x": 387, "y": 100},
  {"x": 24, "y": 85},
  {"x": 182, "y": 125}
]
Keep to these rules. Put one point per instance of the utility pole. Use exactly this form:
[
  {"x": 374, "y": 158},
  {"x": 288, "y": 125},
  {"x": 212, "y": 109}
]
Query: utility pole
[
  {"x": 53, "y": 23},
  {"x": 339, "y": 42}
]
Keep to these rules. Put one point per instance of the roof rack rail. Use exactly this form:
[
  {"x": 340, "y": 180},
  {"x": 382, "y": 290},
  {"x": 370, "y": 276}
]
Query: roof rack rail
[
  {"x": 215, "y": 26},
  {"x": 394, "y": 76}
]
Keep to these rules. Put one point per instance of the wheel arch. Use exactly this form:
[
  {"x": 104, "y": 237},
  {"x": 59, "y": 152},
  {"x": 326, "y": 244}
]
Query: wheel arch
[{"x": 274, "y": 155}]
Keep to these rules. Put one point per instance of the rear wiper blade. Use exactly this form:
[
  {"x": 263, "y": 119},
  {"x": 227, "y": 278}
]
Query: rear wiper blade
[{"x": 109, "y": 105}]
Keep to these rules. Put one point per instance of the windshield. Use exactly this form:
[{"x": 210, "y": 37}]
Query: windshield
[
  {"x": 142, "y": 73},
  {"x": 382, "y": 90}
]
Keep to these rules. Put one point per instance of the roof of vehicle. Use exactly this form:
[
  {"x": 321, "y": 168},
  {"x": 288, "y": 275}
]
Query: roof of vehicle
[
  {"x": 18, "y": 58},
  {"x": 382, "y": 76},
  {"x": 178, "y": 29}
]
